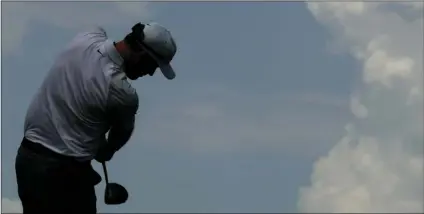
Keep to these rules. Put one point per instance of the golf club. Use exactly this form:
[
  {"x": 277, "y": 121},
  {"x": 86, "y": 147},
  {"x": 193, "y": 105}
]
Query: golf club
[{"x": 114, "y": 193}]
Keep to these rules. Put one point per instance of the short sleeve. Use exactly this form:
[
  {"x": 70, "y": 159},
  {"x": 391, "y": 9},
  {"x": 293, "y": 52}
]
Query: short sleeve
[{"x": 122, "y": 102}]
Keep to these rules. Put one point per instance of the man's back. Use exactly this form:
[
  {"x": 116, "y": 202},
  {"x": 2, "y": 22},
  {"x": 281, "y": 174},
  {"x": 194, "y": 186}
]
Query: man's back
[{"x": 69, "y": 112}]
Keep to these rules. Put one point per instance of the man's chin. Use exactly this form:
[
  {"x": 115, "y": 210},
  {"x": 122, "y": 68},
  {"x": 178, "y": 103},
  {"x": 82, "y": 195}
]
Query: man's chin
[{"x": 132, "y": 77}]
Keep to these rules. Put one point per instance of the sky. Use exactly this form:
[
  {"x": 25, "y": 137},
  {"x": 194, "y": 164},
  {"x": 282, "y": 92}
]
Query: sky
[{"x": 276, "y": 107}]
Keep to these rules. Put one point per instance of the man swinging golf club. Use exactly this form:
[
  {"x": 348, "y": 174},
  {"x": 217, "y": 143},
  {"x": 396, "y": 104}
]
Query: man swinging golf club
[{"x": 84, "y": 96}]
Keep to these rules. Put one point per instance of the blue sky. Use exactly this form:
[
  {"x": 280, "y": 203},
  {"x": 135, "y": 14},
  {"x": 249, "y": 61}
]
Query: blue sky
[{"x": 261, "y": 93}]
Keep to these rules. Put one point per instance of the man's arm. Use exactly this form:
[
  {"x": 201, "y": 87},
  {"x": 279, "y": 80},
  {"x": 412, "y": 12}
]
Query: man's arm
[
  {"x": 121, "y": 130},
  {"x": 122, "y": 108}
]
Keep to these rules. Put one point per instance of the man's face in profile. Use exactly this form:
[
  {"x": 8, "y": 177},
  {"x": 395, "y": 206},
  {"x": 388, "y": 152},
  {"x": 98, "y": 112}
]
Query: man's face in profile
[{"x": 139, "y": 65}]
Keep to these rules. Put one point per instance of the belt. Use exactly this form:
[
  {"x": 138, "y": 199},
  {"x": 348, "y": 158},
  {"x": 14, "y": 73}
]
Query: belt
[{"x": 42, "y": 150}]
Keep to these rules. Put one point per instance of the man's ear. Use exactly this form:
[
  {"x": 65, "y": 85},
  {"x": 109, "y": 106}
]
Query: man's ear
[
  {"x": 140, "y": 55},
  {"x": 134, "y": 57},
  {"x": 143, "y": 53}
]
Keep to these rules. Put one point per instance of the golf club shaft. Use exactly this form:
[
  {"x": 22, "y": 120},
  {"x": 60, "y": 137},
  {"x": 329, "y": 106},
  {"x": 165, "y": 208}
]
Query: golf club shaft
[{"x": 105, "y": 172}]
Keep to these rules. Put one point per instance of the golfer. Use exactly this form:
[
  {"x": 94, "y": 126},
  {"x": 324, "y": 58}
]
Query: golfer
[{"x": 84, "y": 110}]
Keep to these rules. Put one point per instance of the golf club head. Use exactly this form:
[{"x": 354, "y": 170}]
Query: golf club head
[{"x": 115, "y": 194}]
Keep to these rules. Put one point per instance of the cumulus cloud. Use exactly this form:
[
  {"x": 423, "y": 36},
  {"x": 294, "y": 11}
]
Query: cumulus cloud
[
  {"x": 378, "y": 165},
  {"x": 11, "y": 206},
  {"x": 17, "y": 17}
]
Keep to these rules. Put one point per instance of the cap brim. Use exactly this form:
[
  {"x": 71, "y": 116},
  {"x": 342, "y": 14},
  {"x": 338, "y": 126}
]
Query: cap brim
[
  {"x": 167, "y": 70},
  {"x": 165, "y": 67}
]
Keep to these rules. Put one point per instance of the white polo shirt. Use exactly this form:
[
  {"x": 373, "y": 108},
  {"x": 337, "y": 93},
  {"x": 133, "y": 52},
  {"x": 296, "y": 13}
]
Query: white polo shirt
[{"x": 71, "y": 112}]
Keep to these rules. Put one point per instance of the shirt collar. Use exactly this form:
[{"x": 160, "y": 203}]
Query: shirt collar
[{"x": 108, "y": 48}]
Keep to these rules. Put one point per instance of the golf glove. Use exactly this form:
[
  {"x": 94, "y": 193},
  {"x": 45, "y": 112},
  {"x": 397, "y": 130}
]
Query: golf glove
[{"x": 105, "y": 153}]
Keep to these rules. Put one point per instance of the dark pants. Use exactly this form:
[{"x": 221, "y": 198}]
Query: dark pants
[{"x": 52, "y": 183}]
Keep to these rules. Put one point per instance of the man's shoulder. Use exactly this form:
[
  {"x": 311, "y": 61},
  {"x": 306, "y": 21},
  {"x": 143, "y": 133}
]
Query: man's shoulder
[
  {"x": 120, "y": 82},
  {"x": 121, "y": 91},
  {"x": 88, "y": 39},
  {"x": 88, "y": 36},
  {"x": 93, "y": 31}
]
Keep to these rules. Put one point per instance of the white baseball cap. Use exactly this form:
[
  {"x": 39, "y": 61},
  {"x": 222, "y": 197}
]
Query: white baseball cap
[{"x": 160, "y": 45}]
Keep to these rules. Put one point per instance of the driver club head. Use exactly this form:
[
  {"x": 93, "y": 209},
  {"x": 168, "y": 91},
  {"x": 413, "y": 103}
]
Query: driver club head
[{"x": 115, "y": 194}]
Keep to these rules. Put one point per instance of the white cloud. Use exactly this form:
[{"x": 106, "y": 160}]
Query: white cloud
[
  {"x": 359, "y": 110},
  {"x": 11, "y": 206},
  {"x": 18, "y": 16},
  {"x": 379, "y": 61},
  {"x": 378, "y": 165}
]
